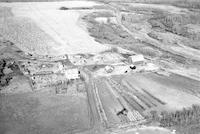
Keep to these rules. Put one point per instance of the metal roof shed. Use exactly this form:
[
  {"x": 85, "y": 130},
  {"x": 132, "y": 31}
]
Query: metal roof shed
[
  {"x": 136, "y": 58},
  {"x": 72, "y": 73}
]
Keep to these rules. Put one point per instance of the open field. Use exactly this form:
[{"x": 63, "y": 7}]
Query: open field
[
  {"x": 135, "y": 98},
  {"x": 63, "y": 35},
  {"x": 116, "y": 106},
  {"x": 142, "y": 93},
  {"x": 43, "y": 113},
  {"x": 173, "y": 90},
  {"x": 17, "y": 30},
  {"x": 110, "y": 103},
  {"x": 150, "y": 93},
  {"x": 17, "y": 85}
]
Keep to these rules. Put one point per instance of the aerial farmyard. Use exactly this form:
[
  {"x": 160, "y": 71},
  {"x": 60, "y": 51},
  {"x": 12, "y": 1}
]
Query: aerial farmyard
[{"x": 99, "y": 67}]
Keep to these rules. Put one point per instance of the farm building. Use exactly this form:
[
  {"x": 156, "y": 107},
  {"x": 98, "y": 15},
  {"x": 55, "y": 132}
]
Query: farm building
[
  {"x": 102, "y": 19},
  {"x": 136, "y": 59},
  {"x": 35, "y": 68},
  {"x": 106, "y": 20},
  {"x": 109, "y": 69},
  {"x": 47, "y": 80},
  {"x": 56, "y": 79},
  {"x": 73, "y": 73}
]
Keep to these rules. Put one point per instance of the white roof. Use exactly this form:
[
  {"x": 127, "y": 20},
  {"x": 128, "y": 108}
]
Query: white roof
[
  {"x": 102, "y": 19},
  {"x": 72, "y": 73},
  {"x": 136, "y": 58}
]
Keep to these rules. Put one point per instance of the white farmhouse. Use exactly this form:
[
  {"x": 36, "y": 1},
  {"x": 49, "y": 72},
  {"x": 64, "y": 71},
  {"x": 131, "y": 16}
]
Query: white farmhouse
[
  {"x": 135, "y": 59},
  {"x": 102, "y": 19},
  {"x": 72, "y": 73}
]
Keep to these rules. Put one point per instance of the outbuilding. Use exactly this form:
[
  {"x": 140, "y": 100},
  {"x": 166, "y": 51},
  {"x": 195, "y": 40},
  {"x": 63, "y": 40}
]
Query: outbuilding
[
  {"x": 136, "y": 59},
  {"x": 73, "y": 73},
  {"x": 109, "y": 69}
]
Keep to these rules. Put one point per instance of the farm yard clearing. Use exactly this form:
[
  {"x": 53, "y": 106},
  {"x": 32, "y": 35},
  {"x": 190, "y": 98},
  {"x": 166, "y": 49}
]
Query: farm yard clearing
[{"x": 99, "y": 67}]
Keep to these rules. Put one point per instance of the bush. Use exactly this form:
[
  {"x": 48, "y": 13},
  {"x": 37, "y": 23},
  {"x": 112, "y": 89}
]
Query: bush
[
  {"x": 5, "y": 78},
  {"x": 64, "y": 8}
]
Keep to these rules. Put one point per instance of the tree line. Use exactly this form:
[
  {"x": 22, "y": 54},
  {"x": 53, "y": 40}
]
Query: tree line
[{"x": 183, "y": 117}]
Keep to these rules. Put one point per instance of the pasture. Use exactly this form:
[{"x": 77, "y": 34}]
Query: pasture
[{"x": 42, "y": 112}]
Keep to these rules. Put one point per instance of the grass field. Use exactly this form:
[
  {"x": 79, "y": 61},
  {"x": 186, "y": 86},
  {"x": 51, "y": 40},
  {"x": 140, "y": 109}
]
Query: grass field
[
  {"x": 18, "y": 30},
  {"x": 43, "y": 113}
]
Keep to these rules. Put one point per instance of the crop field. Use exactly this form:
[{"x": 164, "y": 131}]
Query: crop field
[
  {"x": 145, "y": 100},
  {"x": 34, "y": 29},
  {"x": 138, "y": 98},
  {"x": 143, "y": 93},
  {"x": 176, "y": 81},
  {"x": 114, "y": 101},
  {"x": 110, "y": 103},
  {"x": 18, "y": 31},
  {"x": 170, "y": 91}
]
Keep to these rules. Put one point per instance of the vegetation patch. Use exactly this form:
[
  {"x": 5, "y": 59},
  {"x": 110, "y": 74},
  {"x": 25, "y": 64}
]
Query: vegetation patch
[
  {"x": 107, "y": 33},
  {"x": 186, "y": 121},
  {"x": 8, "y": 69},
  {"x": 177, "y": 24}
]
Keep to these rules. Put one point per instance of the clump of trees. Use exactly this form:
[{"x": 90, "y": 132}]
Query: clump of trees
[
  {"x": 179, "y": 3},
  {"x": 3, "y": 79},
  {"x": 176, "y": 24},
  {"x": 183, "y": 120},
  {"x": 6, "y": 77},
  {"x": 195, "y": 4},
  {"x": 183, "y": 117},
  {"x": 64, "y": 8}
]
